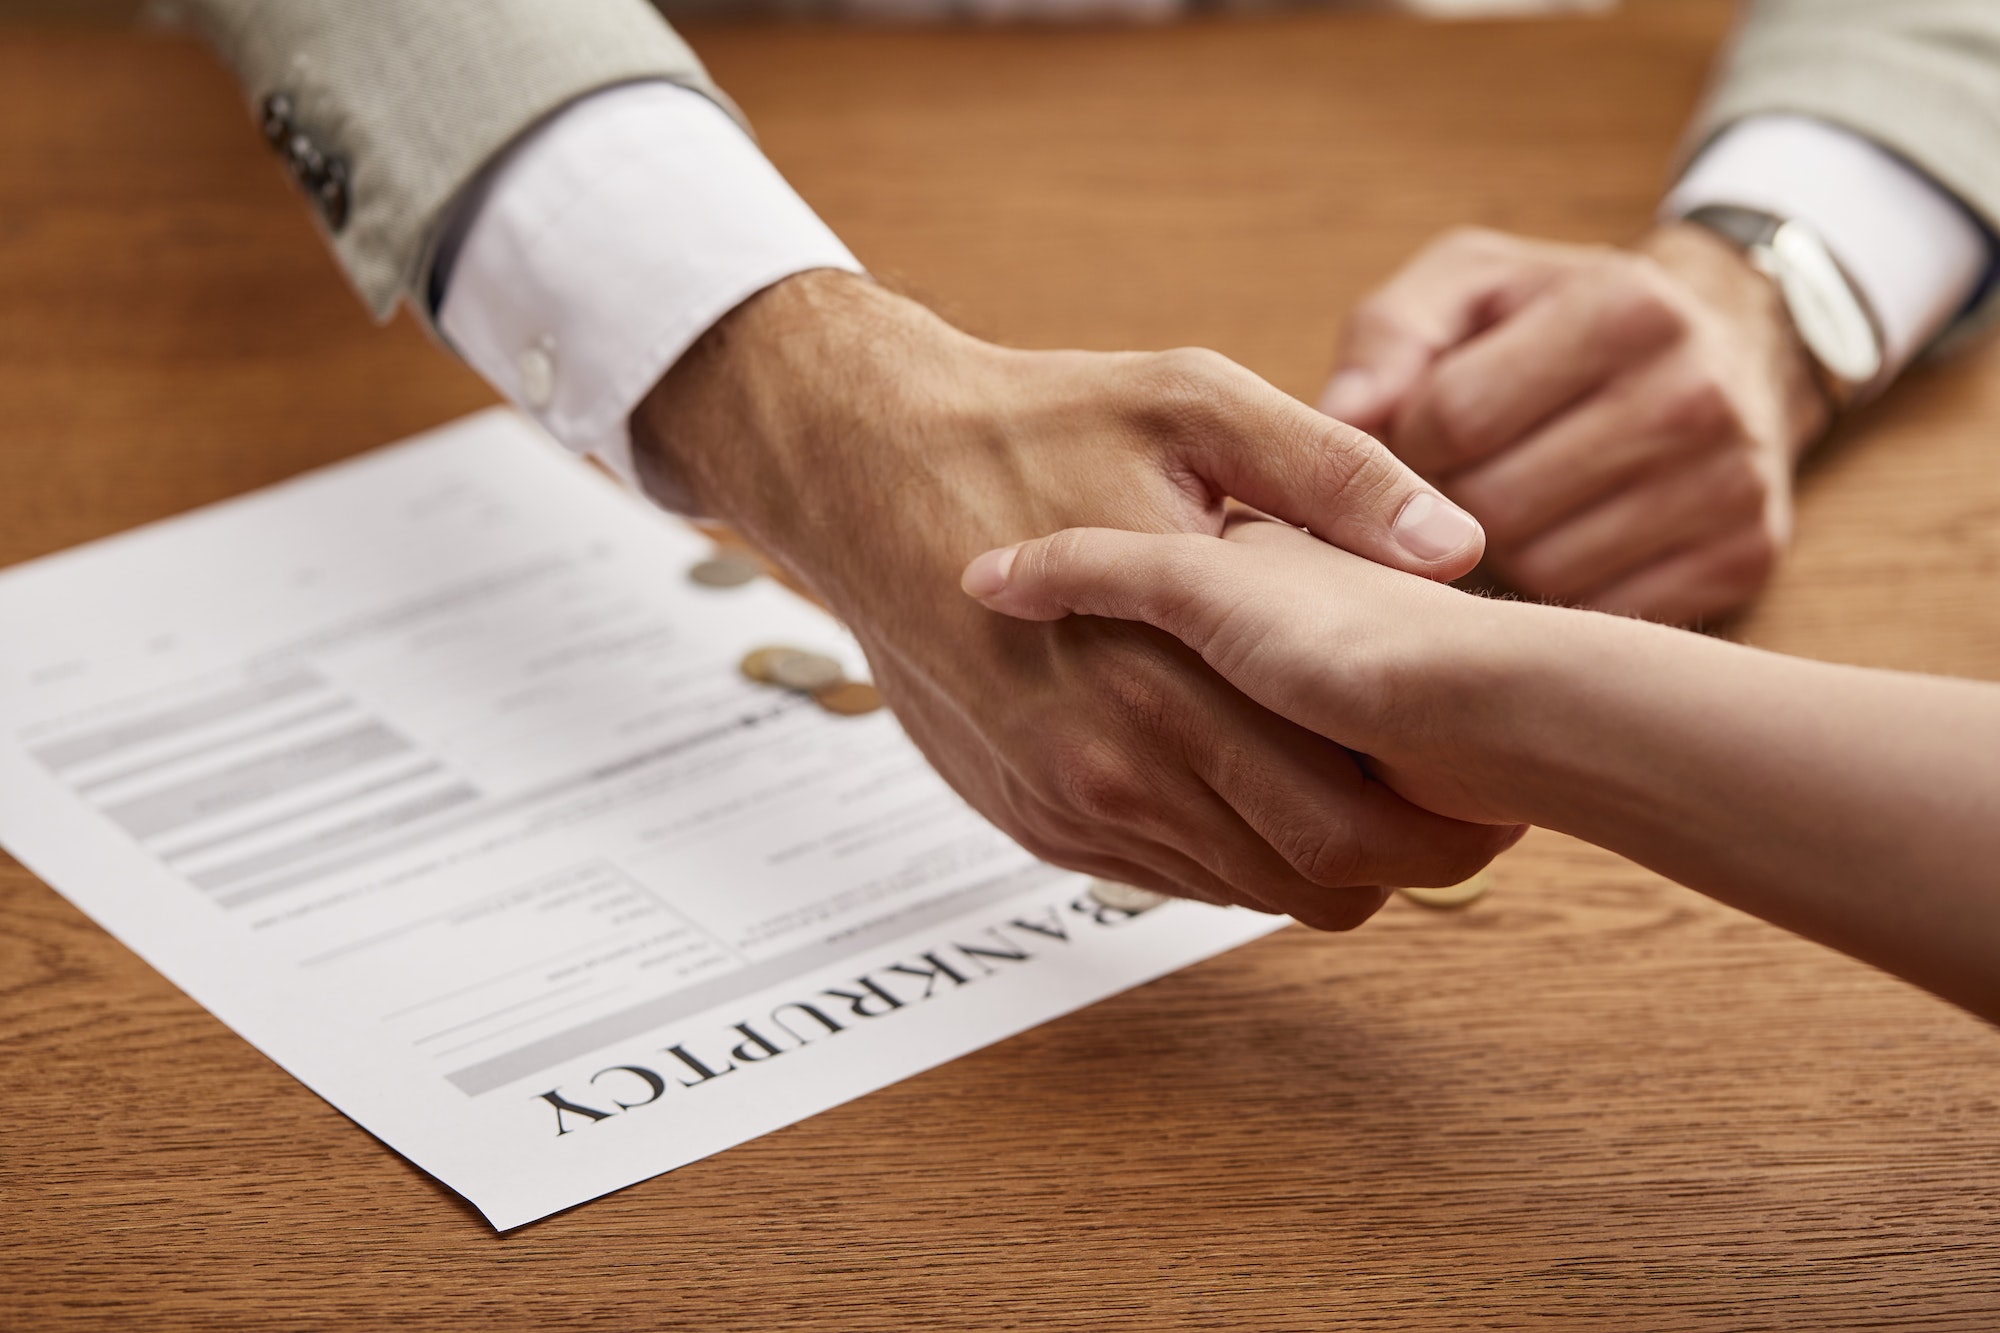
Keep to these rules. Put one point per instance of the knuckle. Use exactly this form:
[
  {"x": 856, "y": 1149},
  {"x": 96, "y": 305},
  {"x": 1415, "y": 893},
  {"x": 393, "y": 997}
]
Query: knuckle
[
  {"x": 1188, "y": 391},
  {"x": 1194, "y": 375},
  {"x": 1186, "y": 604},
  {"x": 1543, "y": 575},
  {"x": 1094, "y": 782},
  {"x": 1500, "y": 503},
  {"x": 1351, "y": 473},
  {"x": 1139, "y": 703},
  {"x": 1536, "y": 575},
  {"x": 1050, "y": 557},
  {"x": 1229, "y": 641},
  {"x": 1342, "y": 458},
  {"x": 1761, "y": 552},
  {"x": 1747, "y": 564},
  {"x": 1459, "y": 416},
  {"x": 1546, "y": 583},
  {"x": 1700, "y": 408},
  {"x": 1322, "y": 855},
  {"x": 1743, "y": 489},
  {"x": 1643, "y": 307}
]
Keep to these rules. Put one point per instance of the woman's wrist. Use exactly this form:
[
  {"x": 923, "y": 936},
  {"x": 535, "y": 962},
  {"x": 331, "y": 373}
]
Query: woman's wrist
[
  {"x": 1574, "y": 720},
  {"x": 1495, "y": 691}
]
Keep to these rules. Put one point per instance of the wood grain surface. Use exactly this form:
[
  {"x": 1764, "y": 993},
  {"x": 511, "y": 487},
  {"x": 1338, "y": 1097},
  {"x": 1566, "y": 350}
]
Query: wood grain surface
[{"x": 1593, "y": 1100}]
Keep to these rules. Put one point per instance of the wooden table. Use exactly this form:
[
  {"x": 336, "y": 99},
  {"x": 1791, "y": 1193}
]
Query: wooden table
[{"x": 1594, "y": 1100}]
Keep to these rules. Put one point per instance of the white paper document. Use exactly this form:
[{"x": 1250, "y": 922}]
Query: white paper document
[{"x": 433, "y": 776}]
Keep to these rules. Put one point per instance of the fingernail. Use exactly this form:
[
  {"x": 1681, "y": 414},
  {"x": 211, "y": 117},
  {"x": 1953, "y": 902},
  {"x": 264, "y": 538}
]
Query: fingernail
[
  {"x": 1432, "y": 527},
  {"x": 1349, "y": 394},
  {"x": 987, "y": 574}
]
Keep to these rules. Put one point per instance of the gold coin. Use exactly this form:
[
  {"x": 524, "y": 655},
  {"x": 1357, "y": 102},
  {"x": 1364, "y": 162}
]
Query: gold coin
[
  {"x": 757, "y": 664},
  {"x": 726, "y": 569},
  {"x": 1452, "y": 895},
  {"x": 808, "y": 673},
  {"x": 1124, "y": 897},
  {"x": 849, "y": 698}
]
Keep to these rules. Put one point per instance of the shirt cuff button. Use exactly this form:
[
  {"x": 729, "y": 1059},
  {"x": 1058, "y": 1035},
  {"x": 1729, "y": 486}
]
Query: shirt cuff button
[{"x": 537, "y": 366}]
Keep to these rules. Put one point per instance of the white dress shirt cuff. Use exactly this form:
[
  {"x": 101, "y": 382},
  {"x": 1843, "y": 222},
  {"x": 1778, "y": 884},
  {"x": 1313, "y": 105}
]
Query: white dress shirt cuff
[
  {"x": 607, "y": 242},
  {"x": 1908, "y": 244}
]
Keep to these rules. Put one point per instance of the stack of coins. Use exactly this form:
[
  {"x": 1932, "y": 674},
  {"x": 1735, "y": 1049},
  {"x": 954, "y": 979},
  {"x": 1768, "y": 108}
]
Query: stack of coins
[
  {"x": 808, "y": 673},
  {"x": 813, "y": 674}
]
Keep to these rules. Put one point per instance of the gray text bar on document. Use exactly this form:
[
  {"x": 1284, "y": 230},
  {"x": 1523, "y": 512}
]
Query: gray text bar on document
[
  {"x": 252, "y": 780},
  {"x": 59, "y": 755},
  {"x": 499, "y": 1070}
]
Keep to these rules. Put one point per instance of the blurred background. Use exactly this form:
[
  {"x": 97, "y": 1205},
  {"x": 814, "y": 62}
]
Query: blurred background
[{"x": 164, "y": 11}]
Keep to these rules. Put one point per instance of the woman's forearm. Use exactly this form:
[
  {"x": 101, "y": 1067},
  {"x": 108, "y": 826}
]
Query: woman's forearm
[{"x": 1859, "y": 808}]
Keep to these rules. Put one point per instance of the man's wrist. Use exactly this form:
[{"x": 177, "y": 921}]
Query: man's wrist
[
  {"x": 799, "y": 419},
  {"x": 1723, "y": 279},
  {"x": 728, "y": 393},
  {"x": 1913, "y": 251}
]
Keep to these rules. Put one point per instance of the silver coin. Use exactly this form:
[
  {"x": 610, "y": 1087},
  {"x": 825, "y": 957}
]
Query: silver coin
[
  {"x": 1124, "y": 897},
  {"x": 726, "y": 569},
  {"x": 806, "y": 672}
]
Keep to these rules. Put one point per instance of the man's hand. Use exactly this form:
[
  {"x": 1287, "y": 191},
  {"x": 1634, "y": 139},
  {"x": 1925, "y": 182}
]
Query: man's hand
[
  {"x": 1624, "y": 423},
  {"x": 1394, "y": 668},
  {"x": 873, "y": 450}
]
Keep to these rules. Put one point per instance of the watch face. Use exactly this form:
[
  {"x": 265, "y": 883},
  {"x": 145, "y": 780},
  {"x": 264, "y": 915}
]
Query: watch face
[{"x": 1831, "y": 321}]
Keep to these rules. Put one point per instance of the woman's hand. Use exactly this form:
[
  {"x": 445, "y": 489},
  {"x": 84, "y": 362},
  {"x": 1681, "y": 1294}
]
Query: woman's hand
[
  {"x": 1859, "y": 808},
  {"x": 1374, "y": 659}
]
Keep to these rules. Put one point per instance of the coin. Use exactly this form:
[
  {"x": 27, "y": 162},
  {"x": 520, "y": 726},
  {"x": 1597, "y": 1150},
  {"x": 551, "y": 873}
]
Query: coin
[
  {"x": 757, "y": 663},
  {"x": 803, "y": 671},
  {"x": 726, "y": 569},
  {"x": 1124, "y": 897},
  {"x": 850, "y": 698},
  {"x": 1453, "y": 895}
]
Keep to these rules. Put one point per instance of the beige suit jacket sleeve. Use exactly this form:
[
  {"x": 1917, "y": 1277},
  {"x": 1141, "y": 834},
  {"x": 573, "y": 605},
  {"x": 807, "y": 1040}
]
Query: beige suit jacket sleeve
[
  {"x": 416, "y": 97},
  {"x": 1919, "y": 77}
]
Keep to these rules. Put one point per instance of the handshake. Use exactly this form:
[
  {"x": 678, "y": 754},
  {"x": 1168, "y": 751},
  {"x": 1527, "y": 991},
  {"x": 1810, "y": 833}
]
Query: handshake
[{"x": 1246, "y": 713}]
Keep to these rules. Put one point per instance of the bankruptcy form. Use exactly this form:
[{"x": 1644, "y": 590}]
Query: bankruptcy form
[{"x": 433, "y": 776}]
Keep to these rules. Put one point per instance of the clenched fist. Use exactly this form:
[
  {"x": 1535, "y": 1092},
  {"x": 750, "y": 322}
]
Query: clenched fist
[{"x": 1624, "y": 423}]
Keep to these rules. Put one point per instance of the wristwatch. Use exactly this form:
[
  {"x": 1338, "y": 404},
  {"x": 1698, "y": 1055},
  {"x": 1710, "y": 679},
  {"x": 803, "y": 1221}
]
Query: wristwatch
[{"x": 1841, "y": 335}]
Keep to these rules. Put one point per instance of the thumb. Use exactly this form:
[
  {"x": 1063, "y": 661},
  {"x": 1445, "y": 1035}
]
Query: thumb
[
  {"x": 1274, "y": 453},
  {"x": 1178, "y": 582}
]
